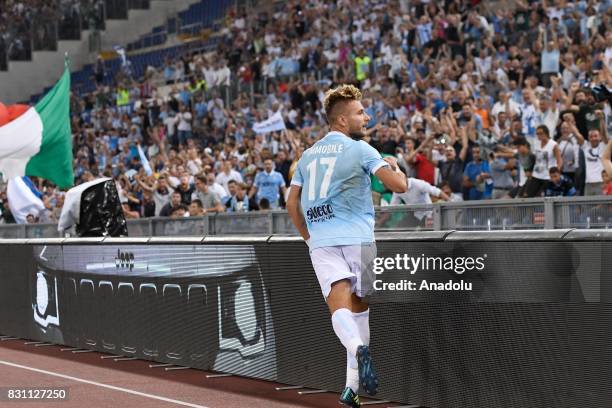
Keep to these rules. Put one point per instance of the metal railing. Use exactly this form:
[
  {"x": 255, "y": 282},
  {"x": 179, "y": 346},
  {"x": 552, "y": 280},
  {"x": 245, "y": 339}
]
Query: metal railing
[{"x": 532, "y": 213}]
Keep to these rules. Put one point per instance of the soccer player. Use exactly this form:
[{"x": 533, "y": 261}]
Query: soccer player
[{"x": 331, "y": 184}]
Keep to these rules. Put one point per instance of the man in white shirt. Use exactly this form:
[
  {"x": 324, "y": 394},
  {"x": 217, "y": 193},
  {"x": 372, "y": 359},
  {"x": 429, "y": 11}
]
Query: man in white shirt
[
  {"x": 223, "y": 74},
  {"x": 548, "y": 115},
  {"x": 170, "y": 123},
  {"x": 210, "y": 74},
  {"x": 227, "y": 174},
  {"x": 505, "y": 103},
  {"x": 184, "y": 125},
  {"x": 593, "y": 153},
  {"x": 216, "y": 187},
  {"x": 419, "y": 192}
]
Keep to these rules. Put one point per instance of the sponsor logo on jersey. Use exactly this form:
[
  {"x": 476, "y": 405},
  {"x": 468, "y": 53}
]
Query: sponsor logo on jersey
[{"x": 320, "y": 213}]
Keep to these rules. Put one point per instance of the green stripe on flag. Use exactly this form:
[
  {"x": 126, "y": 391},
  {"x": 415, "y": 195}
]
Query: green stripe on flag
[{"x": 54, "y": 159}]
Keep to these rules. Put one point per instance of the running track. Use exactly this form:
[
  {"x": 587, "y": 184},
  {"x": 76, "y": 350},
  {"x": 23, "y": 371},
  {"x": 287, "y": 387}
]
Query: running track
[{"x": 93, "y": 382}]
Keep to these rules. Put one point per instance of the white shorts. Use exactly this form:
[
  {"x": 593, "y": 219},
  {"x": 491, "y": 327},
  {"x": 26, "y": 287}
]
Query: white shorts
[{"x": 353, "y": 262}]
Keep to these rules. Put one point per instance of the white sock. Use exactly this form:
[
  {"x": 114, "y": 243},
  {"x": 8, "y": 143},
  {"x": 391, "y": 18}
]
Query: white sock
[
  {"x": 352, "y": 373},
  {"x": 347, "y": 330},
  {"x": 363, "y": 323}
]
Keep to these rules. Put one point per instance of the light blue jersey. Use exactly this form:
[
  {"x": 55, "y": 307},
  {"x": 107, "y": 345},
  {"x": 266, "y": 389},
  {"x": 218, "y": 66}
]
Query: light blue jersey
[
  {"x": 336, "y": 197},
  {"x": 268, "y": 186}
]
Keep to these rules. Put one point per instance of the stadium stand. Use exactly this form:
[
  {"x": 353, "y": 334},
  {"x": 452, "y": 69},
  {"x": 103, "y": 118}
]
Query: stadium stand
[{"x": 457, "y": 91}]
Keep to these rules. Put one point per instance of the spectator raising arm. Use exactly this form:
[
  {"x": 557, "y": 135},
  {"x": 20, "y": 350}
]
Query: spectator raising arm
[
  {"x": 464, "y": 144},
  {"x": 603, "y": 129}
]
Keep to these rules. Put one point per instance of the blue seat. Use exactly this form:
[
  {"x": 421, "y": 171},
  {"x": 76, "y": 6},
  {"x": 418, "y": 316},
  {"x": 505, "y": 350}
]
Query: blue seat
[{"x": 198, "y": 16}]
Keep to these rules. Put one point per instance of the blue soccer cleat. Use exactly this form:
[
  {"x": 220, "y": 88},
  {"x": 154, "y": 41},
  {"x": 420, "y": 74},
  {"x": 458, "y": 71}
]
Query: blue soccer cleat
[
  {"x": 349, "y": 398},
  {"x": 368, "y": 379}
]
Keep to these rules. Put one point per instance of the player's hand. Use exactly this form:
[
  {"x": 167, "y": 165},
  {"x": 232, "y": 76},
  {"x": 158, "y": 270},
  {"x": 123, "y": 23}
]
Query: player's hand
[{"x": 392, "y": 162}]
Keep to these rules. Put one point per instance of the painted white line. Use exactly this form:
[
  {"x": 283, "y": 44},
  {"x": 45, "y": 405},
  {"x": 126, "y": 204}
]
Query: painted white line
[{"x": 111, "y": 387}]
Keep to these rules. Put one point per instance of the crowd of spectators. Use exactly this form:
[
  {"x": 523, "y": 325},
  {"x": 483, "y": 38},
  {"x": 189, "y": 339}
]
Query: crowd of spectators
[
  {"x": 29, "y": 25},
  {"x": 475, "y": 101}
]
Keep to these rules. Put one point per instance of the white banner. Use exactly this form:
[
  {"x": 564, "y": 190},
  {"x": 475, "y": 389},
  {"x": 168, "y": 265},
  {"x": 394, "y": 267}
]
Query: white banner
[
  {"x": 272, "y": 124},
  {"x": 144, "y": 161}
]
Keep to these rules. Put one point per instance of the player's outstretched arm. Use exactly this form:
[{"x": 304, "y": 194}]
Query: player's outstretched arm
[
  {"x": 392, "y": 177},
  {"x": 295, "y": 211}
]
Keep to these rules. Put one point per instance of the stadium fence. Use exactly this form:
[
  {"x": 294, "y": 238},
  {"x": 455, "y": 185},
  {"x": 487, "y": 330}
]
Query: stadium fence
[{"x": 487, "y": 215}]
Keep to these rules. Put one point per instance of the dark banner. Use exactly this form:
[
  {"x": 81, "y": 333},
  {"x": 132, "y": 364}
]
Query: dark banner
[{"x": 453, "y": 322}]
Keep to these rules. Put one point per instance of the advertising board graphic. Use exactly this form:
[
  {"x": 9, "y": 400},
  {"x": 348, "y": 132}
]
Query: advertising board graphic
[
  {"x": 174, "y": 303},
  {"x": 513, "y": 324}
]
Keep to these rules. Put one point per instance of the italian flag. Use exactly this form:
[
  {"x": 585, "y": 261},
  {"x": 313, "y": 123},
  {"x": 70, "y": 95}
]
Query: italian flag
[{"x": 39, "y": 141}]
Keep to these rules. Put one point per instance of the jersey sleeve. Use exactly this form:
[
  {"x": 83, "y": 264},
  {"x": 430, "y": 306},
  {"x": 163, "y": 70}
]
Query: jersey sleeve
[
  {"x": 371, "y": 160},
  {"x": 297, "y": 179}
]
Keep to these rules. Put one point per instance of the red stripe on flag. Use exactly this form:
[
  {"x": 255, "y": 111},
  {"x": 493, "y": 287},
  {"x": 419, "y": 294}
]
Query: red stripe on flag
[{"x": 11, "y": 112}]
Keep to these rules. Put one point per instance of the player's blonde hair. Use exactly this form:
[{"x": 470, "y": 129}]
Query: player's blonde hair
[{"x": 341, "y": 93}]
